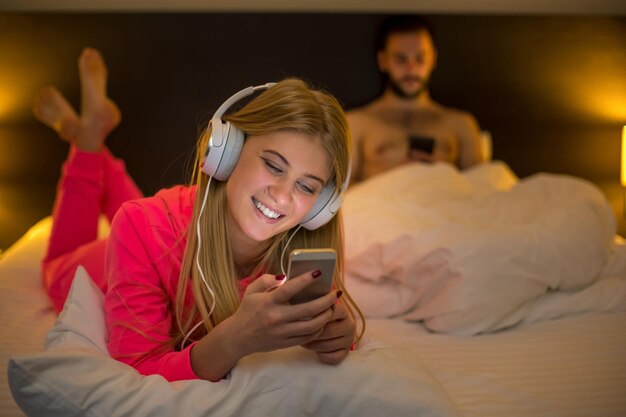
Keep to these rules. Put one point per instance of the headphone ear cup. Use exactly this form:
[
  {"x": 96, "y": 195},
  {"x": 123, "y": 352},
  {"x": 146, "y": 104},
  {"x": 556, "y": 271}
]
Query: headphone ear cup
[
  {"x": 223, "y": 150},
  {"x": 327, "y": 204},
  {"x": 233, "y": 142},
  {"x": 213, "y": 152},
  {"x": 324, "y": 208}
]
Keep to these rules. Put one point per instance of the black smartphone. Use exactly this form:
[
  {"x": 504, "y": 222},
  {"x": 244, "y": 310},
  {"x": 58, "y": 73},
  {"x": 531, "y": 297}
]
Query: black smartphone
[
  {"x": 422, "y": 143},
  {"x": 308, "y": 260}
]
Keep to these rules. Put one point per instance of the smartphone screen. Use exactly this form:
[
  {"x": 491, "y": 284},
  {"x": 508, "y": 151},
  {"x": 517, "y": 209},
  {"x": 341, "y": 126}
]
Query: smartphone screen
[
  {"x": 309, "y": 260},
  {"x": 422, "y": 143}
]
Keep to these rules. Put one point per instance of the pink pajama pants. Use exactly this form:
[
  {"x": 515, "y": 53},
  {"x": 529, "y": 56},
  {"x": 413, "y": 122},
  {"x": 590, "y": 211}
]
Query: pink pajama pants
[{"x": 91, "y": 184}]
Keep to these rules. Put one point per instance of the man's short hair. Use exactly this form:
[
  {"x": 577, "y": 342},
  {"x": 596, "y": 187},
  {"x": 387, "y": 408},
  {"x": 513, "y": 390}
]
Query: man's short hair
[{"x": 401, "y": 24}]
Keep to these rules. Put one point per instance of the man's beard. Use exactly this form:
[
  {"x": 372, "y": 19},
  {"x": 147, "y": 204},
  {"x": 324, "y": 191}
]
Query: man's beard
[{"x": 397, "y": 89}]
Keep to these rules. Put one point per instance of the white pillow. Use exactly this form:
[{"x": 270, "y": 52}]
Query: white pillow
[
  {"x": 75, "y": 377},
  {"x": 82, "y": 322}
]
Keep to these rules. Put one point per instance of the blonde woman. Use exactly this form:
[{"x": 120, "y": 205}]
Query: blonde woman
[{"x": 202, "y": 262}]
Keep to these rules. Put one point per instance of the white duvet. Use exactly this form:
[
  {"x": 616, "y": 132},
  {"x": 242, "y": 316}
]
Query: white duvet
[{"x": 480, "y": 250}]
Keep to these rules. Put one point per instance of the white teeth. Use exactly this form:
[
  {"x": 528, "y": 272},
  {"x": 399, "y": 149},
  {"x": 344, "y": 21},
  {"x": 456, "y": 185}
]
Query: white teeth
[{"x": 267, "y": 212}]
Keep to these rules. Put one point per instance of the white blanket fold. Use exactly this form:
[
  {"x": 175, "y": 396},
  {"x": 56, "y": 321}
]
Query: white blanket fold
[{"x": 472, "y": 252}]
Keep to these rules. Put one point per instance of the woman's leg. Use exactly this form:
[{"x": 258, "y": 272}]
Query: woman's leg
[
  {"x": 119, "y": 186},
  {"x": 75, "y": 224},
  {"x": 83, "y": 191},
  {"x": 100, "y": 115}
]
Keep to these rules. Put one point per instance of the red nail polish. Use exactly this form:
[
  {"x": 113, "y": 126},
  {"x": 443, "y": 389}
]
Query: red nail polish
[
  {"x": 280, "y": 277},
  {"x": 339, "y": 293},
  {"x": 316, "y": 274}
]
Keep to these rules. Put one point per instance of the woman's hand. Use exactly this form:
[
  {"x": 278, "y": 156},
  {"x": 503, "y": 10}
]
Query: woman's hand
[
  {"x": 263, "y": 322},
  {"x": 266, "y": 321},
  {"x": 334, "y": 343}
]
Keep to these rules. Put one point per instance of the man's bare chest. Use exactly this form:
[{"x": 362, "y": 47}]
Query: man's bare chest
[{"x": 390, "y": 131}]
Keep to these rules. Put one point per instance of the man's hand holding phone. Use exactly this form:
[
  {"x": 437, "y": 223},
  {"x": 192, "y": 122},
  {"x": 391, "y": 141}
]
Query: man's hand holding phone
[{"x": 421, "y": 149}]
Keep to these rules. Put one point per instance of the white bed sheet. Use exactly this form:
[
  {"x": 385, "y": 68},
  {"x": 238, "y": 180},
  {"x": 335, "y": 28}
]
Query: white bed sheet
[
  {"x": 569, "y": 367},
  {"x": 25, "y": 312},
  {"x": 574, "y": 366}
]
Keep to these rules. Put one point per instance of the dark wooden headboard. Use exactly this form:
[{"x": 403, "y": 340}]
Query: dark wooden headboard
[{"x": 550, "y": 89}]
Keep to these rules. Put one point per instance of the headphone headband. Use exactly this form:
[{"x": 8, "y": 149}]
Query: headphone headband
[{"x": 238, "y": 96}]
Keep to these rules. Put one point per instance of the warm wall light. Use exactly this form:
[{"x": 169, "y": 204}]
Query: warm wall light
[
  {"x": 5, "y": 102},
  {"x": 624, "y": 156},
  {"x": 623, "y": 173}
]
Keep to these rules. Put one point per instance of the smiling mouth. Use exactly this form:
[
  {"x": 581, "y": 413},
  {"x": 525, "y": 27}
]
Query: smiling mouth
[{"x": 270, "y": 214}]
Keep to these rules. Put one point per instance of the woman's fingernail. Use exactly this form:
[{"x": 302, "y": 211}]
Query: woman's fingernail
[
  {"x": 280, "y": 277},
  {"x": 339, "y": 293},
  {"x": 316, "y": 274}
]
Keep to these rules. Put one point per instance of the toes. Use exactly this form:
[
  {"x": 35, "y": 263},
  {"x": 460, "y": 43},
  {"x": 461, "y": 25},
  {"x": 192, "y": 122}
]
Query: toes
[
  {"x": 53, "y": 110},
  {"x": 44, "y": 96},
  {"x": 93, "y": 72},
  {"x": 91, "y": 60}
]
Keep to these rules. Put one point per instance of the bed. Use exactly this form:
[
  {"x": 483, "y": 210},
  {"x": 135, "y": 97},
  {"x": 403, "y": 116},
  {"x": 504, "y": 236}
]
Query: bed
[{"x": 487, "y": 296}]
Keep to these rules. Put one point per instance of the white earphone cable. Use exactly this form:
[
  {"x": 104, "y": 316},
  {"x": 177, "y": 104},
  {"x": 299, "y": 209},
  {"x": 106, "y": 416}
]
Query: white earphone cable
[
  {"x": 199, "y": 246},
  {"x": 282, "y": 255}
]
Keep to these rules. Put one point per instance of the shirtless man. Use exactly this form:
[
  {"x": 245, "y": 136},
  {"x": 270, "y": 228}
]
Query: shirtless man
[{"x": 404, "y": 124}]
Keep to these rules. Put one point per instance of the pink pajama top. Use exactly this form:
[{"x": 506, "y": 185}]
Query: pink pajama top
[{"x": 142, "y": 266}]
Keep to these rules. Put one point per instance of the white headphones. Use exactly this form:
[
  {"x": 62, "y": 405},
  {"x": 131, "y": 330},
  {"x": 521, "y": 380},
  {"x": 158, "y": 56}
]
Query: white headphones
[{"x": 222, "y": 154}]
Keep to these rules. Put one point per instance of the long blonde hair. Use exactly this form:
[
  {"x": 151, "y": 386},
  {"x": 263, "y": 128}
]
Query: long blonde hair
[{"x": 290, "y": 105}]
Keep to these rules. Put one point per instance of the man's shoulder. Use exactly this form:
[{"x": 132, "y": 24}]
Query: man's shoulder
[
  {"x": 362, "y": 119},
  {"x": 452, "y": 112},
  {"x": 355, "y": 113},
  {"x": 359, "y": 112},
  {"x": 456, "y": 117},
  {"x": 374, "y": 106}
]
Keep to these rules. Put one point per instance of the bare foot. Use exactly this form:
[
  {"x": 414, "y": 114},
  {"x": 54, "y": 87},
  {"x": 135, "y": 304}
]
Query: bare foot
[
  {"x": 53, "y": 110},
  {"x": 99, "y": 114}
]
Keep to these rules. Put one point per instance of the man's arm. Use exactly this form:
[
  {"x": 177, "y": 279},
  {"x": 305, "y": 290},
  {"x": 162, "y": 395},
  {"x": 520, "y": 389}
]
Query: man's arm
[{"x": 468, "y": 134}]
